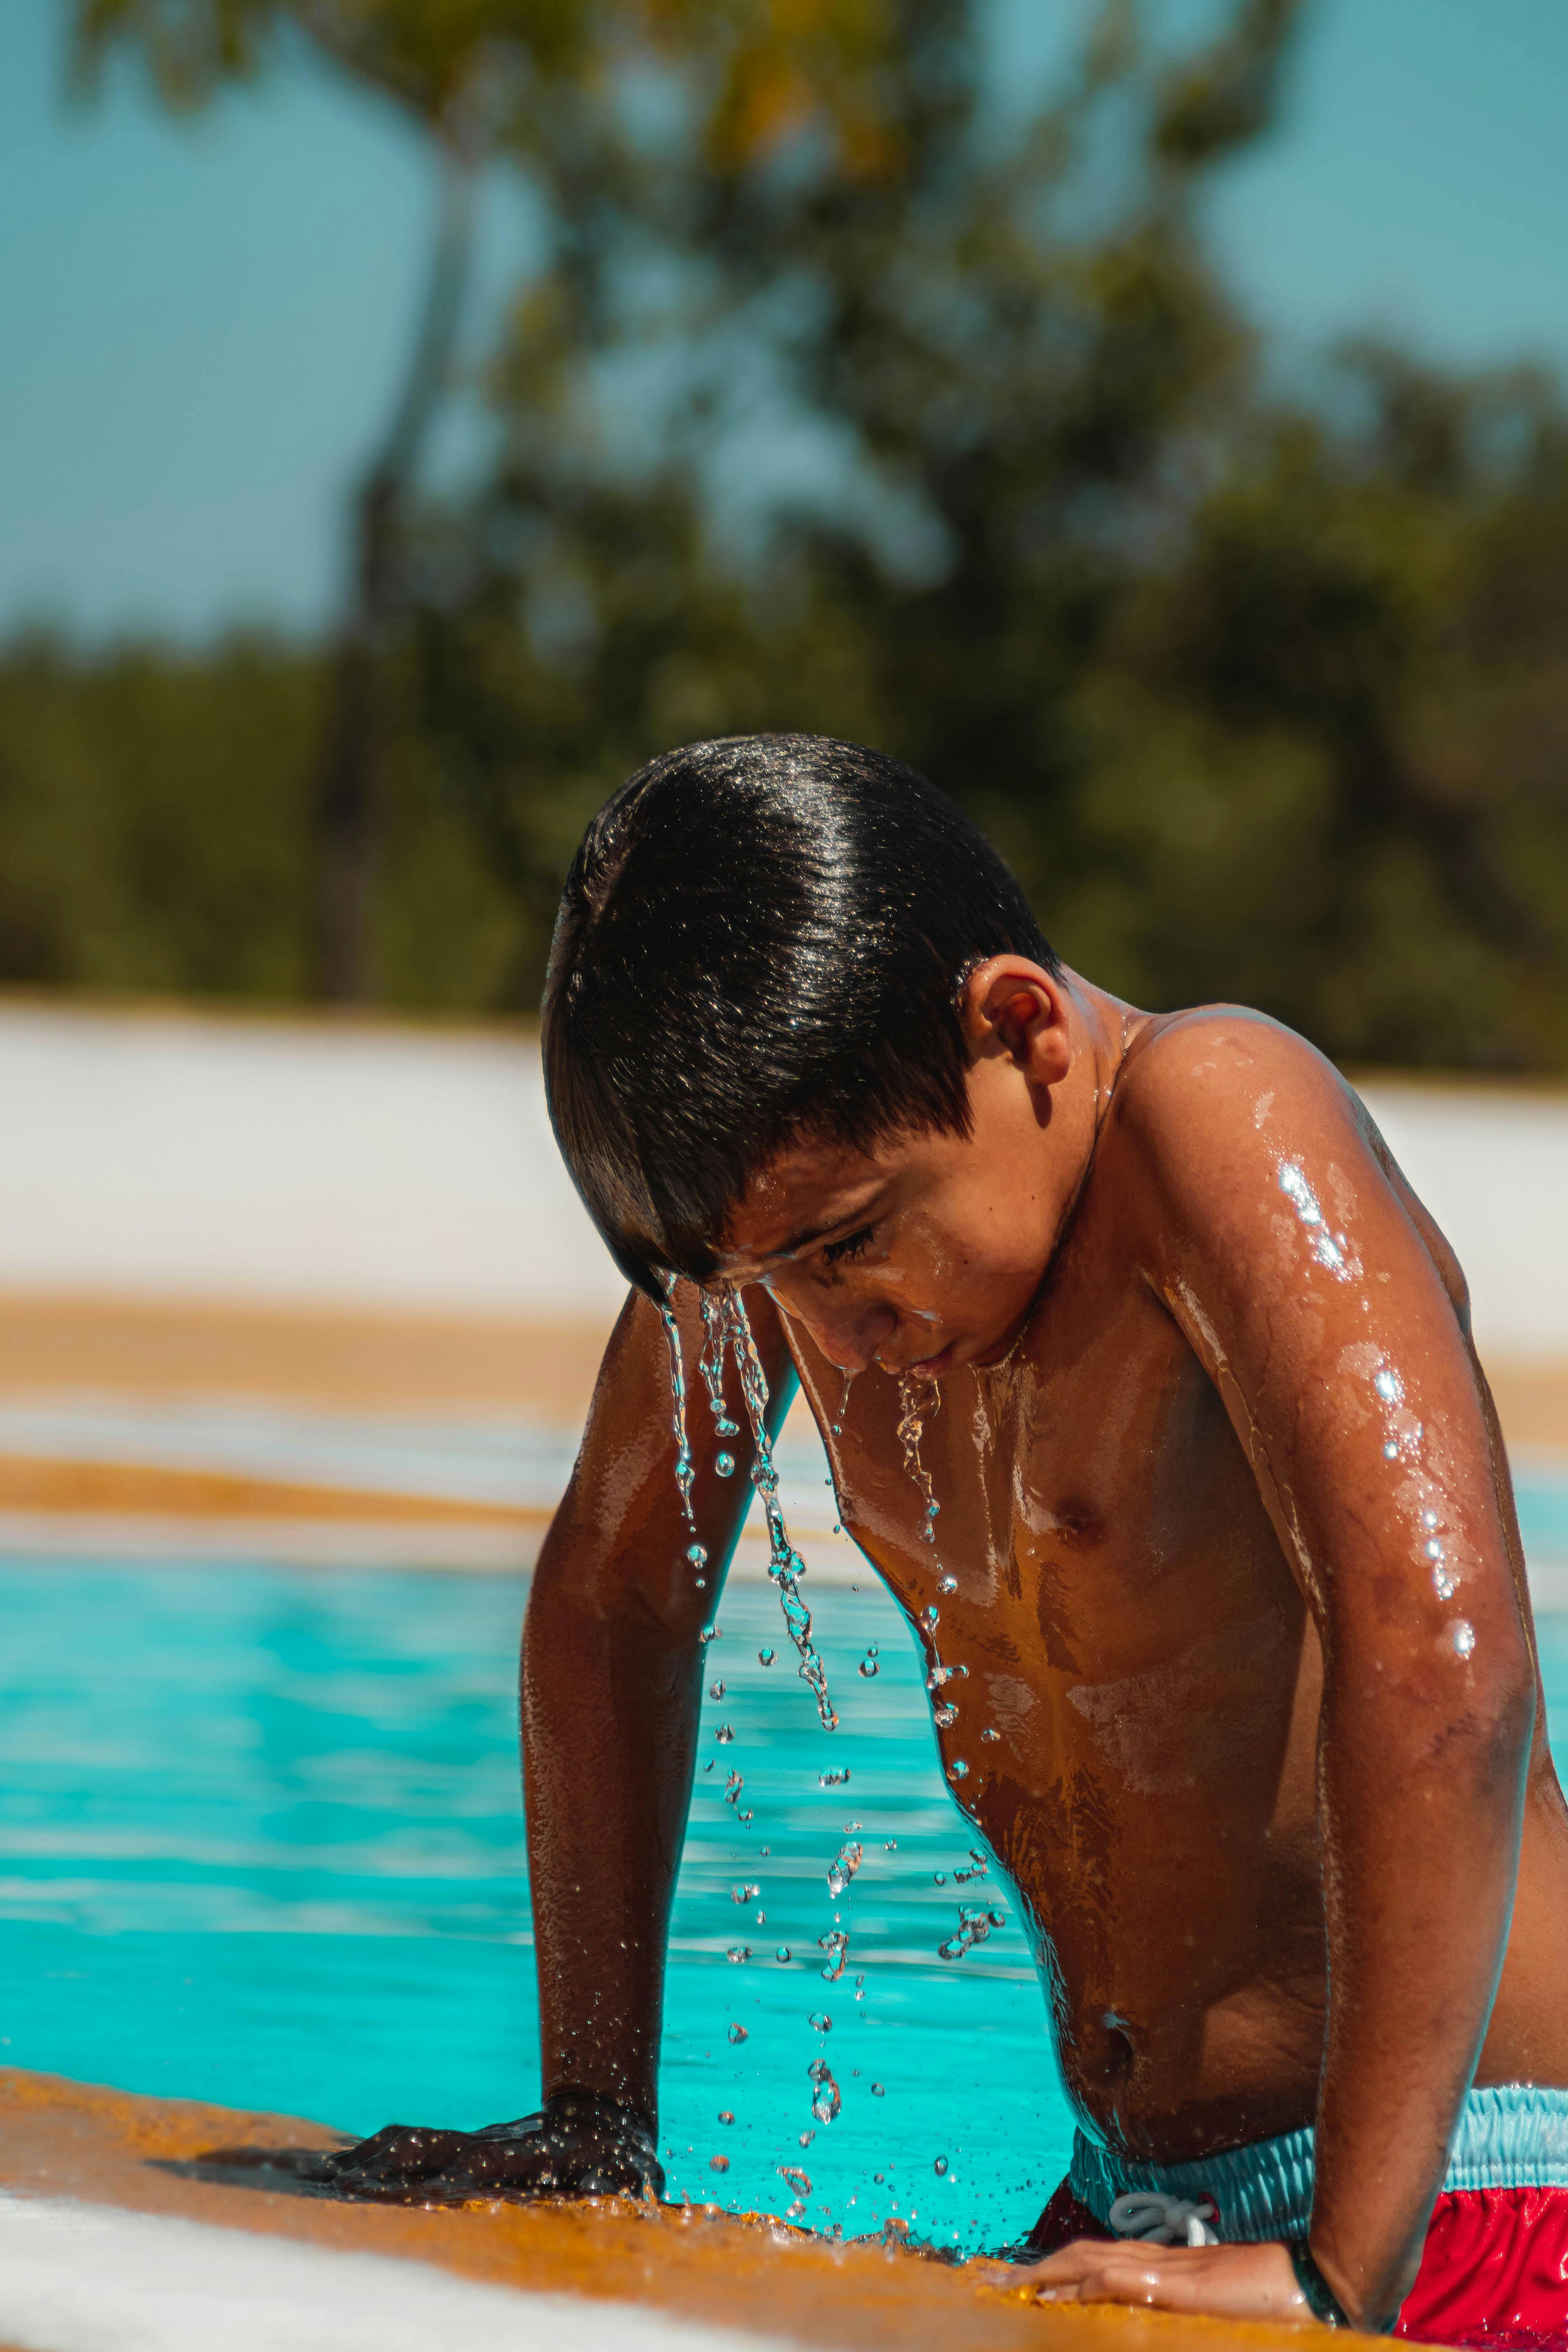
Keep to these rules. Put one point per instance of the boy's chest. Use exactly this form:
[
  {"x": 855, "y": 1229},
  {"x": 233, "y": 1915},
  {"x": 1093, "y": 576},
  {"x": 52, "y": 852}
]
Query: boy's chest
[{"x": 1093, "y": 1506}]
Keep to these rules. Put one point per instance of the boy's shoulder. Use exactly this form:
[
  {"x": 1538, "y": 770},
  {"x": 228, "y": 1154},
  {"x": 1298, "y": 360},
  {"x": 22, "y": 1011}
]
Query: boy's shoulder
[{"x": 1204, "y": 1098}]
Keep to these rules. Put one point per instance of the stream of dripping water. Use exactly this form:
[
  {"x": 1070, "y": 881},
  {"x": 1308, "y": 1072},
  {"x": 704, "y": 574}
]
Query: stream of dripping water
[
  {"x": 785, "y": 1565},
  {"x": 918, "y": 1402},
  {"x": 683, "y": 1464},
  {"x": 726, "y": 1333}
]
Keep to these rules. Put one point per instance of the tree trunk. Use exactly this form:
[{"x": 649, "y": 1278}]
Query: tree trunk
[{"x": 347, "y": 794}]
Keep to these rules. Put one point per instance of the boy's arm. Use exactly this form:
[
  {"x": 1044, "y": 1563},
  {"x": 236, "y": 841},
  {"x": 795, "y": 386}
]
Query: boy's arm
[
  {"x": 612, "y": 1669},
  {"x": 1276, "y": 1233}
]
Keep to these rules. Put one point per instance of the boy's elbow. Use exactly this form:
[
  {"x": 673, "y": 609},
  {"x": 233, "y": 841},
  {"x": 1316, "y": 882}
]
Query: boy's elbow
[{"x": 595, "y": 1570}]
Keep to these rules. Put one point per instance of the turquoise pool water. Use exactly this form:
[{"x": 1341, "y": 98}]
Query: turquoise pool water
[{"x": 260, "y": 1843}]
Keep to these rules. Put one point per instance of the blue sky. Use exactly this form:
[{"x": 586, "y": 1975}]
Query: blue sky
[{"x": 200, "y": 323}]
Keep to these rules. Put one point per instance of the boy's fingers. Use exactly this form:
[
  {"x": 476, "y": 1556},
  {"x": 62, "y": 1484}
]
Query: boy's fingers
[{"x": 399, "y": 2152}]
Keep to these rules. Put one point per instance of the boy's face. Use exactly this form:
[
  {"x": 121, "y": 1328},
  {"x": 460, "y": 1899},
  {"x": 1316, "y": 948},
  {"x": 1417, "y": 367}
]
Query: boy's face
[{"x": 927, "y": 1251}]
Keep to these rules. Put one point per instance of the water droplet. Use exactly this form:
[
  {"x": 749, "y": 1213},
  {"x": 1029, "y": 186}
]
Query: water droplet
[
  {"x": 945, "y": 1715},
  {"x": 716, "y": 1690},
  {"x": 737, "y": 1953},
  {"x": 890, "y": 1845},
  {"x": 958, "y": 1769},
  {"x": 940, "y": 2167},
  {"x": 765, "y": 1657},
  {"x": 1391, "y": 1452},
  {"x": 724, "y": 1734},
  {"x": 842, "y": 1870},
  {"x": 743, "y": 1892},
  {"x": 806, "y": 2137},
  {"x": 988, "y": 1733},
  {"x": 974, "y": 1924},
  {"x": 719, "y": 2163},
  {"x": 1464, "y": 1638},
  {"x": 979, "y": 1867},
  {"x": 793, "y": 2176},
  {"x": 836, "y": 1944},
  {"x": 826, "y": 2100},
  {"x": 783, "y": 1952},
  {"x": 724, "y": 1463},
  {"x": 820, "y": 2021},
  {"x": 697, "y": 1555},
  {"x": 947, "y": 1584},
  {"x": 939, "y": 1878},
  {"x": 712, "y": 1634},
  {"x": 877, "y": 2093},
  {"x": 833, "y": 1779},
  {"x": 933, "y": 1617},
  {"x": 726, "y": 2115},
  {"x": 869, "y": 1668}
]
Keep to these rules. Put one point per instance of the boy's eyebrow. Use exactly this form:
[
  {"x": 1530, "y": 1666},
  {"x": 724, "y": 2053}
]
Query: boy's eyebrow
[{"x": 810, "y": 1234}]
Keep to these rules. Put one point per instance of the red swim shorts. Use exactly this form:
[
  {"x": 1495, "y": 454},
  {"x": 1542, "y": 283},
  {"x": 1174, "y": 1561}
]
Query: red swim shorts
[{"x": 1494, "y": 2273}]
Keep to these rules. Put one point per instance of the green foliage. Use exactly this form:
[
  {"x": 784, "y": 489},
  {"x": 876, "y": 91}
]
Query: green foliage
[
  {"x": 154, "y": 835},
  {"x": 1264, "y": 701}
]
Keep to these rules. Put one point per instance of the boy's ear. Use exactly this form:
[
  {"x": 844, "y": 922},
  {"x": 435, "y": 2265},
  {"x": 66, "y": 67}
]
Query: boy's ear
[{"x": 1012, "y": 1007}]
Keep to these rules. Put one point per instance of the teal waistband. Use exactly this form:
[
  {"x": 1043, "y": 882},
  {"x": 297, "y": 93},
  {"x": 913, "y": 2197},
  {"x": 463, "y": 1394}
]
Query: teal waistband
[{"x": 1512, "y": 2136}]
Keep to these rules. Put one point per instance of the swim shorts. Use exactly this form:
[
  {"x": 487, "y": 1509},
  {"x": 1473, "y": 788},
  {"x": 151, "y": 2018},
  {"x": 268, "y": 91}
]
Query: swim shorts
[{"x": 1495, "y": 2269}]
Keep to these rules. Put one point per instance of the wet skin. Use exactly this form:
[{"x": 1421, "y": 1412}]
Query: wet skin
[{"x": 1239, "y": 1590}]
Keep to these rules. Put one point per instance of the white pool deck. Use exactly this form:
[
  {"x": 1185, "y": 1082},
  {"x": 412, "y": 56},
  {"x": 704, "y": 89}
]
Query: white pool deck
[
  {"x": 270, "y": 1168},
  {"x": 81, "y": 2277}
]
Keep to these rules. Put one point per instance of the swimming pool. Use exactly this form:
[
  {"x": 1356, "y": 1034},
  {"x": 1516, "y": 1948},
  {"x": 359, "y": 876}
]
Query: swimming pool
[{"x": 260, "y": 1844}]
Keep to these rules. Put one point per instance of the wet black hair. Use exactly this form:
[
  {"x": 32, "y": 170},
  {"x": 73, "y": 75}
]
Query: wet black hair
[{"x": 761, "y": 937}]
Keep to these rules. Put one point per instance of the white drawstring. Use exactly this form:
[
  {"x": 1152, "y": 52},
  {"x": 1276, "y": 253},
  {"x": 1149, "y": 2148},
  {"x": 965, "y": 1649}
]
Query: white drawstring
[{"x": 1162, "y": 2221}]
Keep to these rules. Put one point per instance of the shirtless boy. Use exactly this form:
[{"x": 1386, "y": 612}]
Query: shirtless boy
[{"x": 1238, "y": 1581}]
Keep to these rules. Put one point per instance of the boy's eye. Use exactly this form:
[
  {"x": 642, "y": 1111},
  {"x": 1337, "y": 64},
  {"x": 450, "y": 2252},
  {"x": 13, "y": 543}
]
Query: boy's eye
[{"x": 834, "y": 1253}]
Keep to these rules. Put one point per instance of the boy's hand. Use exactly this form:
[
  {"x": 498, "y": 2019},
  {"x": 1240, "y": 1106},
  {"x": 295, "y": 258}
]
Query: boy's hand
[
  {"x": 578, "y": 2144},
  {"x": 1230, "y": 2281}
]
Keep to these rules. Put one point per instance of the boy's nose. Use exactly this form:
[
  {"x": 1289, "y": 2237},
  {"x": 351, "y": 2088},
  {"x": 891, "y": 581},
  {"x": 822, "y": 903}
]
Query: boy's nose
[{"x": 848, "y": 1333}]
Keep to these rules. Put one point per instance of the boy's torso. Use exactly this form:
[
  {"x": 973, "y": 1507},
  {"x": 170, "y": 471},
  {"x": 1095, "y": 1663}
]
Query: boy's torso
[{"x": 1136, "y": 1642}]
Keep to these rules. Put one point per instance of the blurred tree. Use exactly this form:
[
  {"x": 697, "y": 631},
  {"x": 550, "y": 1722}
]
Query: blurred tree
[
  {"x": 1328, "y": 744},
  {"x": 854, "y": 392},
  {"x": 997, "y": 334},
  {"x": 471, "y": 74}
]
